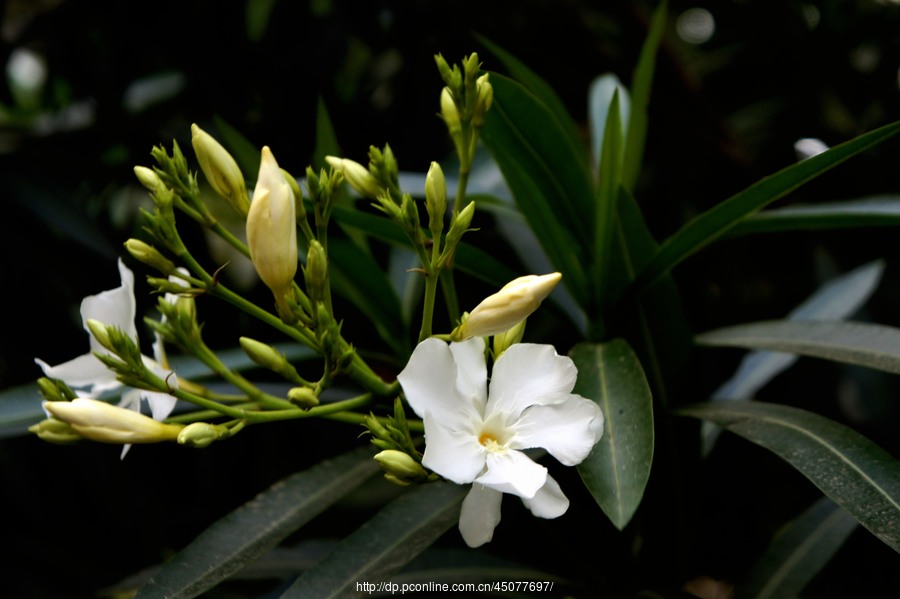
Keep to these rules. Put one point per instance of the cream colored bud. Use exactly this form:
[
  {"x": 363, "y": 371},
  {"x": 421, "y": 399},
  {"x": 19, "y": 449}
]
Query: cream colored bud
[
  {"x": 99, "y": 331},
  {"x": 506, "y": 308},
  {"x": 148, "y": 178},
  {"x": 272, "y": 231},
  {"x": 149, "y": 255},
  {"x": 100, "y": 421},
  {"x": 483, "y": 101},
  {"x": 357, "y": 176},
  {"x": 220, "y": 169},
  {"x": 401, "y": 465}
]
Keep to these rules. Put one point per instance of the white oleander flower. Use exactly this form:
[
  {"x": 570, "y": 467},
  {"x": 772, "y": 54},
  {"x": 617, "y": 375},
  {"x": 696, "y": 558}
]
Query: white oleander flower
[
  {"x": 476, "y": 431},
  {"x": 89, "y": 377}
]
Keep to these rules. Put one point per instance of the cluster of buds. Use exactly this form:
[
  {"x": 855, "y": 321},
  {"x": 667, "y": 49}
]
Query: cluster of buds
[
  {"x": 398, "y": 458},
  {"x": 465, "y": 100}
]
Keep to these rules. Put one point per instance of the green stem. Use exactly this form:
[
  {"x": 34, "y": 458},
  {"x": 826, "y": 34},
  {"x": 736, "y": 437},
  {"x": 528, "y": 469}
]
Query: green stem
[
  {"x": 208, "y": 357},
  {"x": 416, "y": 426}
]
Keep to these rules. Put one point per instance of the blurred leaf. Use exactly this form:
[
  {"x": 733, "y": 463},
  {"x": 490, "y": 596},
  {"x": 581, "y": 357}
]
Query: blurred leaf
[
  {"x": 880, "y": 211},
  {"x": 547, "y": 176},
  {"x": 20, "y": 407},
  {"x": 244, "y": 152},
  {"x": 864, "y": 344},
  {"x": 857, "y": 474},
  {"x": 248, "y": 532},
  {"x": 258, "y": 14},
  {"x": 641, "y": 84},
  {"x": 715, "y": 222},
  {"x": 835, "y": 300},
  {"x": 357, "y": 277},
  {"x": 798, "y": 553},
  {"x": 617, "y": 469},
  {"x": 384, "y": 544},
  {"x": 540, "y": 88},
  {"x": 600, "y": 96},
  {"x": 326, "y": 139}
]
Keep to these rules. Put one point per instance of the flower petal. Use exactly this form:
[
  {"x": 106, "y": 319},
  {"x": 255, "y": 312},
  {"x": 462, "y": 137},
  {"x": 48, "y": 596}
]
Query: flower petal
[
  {"x": 430, "y": 383},
  {"x": 568, "y": 430},
  {"x": 85, "y": 373},
  {"x": 455, "y": 455},
  {"x": 513, "y": 472},
  {"x": 549, "y": 501},
  {"x": 529, "y": 374},
  {"x": 471, "y": 380},
  {"x": 480, "y": 515},
  {"x": 114, "y": 307}
]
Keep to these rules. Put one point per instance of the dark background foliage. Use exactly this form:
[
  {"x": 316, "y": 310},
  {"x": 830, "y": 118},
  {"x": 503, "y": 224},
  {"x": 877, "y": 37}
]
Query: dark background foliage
[{"x": 724, "y": 113}]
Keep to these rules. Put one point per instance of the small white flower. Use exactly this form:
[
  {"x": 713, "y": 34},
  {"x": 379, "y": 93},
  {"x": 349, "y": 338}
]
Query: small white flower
[
  {"x": 89, "y": 377},
  {"x": 476, "y": 435}
]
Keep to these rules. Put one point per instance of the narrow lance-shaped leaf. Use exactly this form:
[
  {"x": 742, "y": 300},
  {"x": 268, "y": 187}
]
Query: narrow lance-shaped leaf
[
  {"x": 384, "y": 544},
  {"x": 857, "y": 474},
  {"x": 717, "y": 221},
  {"x": 879, "y": 211},
  {"x": 864, "y": 344},
  {"x": 641, "y": 84},
  {"x": 610, "y": 177},
  {"x": 798, "y": 553},
  {"x": 251, "y": 530},
  {"x": 549, "y": 180},
  {"x": 617, "y": 469}
]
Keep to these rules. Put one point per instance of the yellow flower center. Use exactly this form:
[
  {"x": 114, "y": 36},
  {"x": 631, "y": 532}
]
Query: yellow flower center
[{"x": 490, "y": 442}]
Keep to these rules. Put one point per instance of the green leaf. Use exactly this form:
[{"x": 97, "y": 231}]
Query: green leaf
[
  {"x": 326, "y": 138},
  {"x": 609, "y": 180},
  {"x": 600, "y": 96},
  {"x": 717, "y": 221},
  {"x": 655, "y": 324},
  {"x": 864, "y": 344},
  {"x": 857, "y": 474},
  {"x": 641, "y": 84},
  {"x": 384, "y": 544},
  {"x": 548, "y": 178},
  {"x": 539, "y": 87},
  {"x": 879, "y": 211},
  {"x": 254, "y": 528},
  {"x": 617, "y": 469},
  {"x": 798, "y": 553}
]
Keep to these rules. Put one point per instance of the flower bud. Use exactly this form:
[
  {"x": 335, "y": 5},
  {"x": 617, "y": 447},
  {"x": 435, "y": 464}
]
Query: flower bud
[
  {"x": 54, "y": 389},
  {"x": 400, "y": 465},
  {"x": 272, "y": 232},
  {"x": 55, "y": 431},
  {"x": 149, "y": 255},
  {"x": 303, "y": 397},
  {"x": 100, "y": 421},
  {"x": 316, "y": 272},
  {"x": 148, "y": 178},
  {"x": 269, "y": 357},
  {"x": 220, "y": 169},
  {"x": 503, "y": 310},
  {"x": 202, "y": 434},
  {"x": 450, "y": 113},
  {"x": 503, "y": 341},
  {"x": 435, "y": 198},
  {"x": 99, "y": 332},
  {"x": 483, "y": 100},
  {"x": 357, "y": 176}
]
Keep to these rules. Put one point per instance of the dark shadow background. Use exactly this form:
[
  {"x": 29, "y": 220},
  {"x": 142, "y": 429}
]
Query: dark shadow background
[{"x": 724, "y": 112}]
